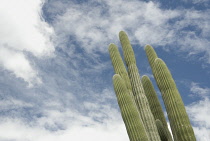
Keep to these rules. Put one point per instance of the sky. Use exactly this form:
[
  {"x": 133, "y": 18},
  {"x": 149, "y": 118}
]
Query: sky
[{"x": 56, "y": 73}]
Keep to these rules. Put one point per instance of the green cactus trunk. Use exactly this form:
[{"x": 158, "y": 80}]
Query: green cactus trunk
[
  {"x": 137, "y": 88},
  {"x": 154, "y": 104},
  {"x": 162, "y": 131},
  {"x": 129, "y": 112},
  {"x": 177, "y": 115}
]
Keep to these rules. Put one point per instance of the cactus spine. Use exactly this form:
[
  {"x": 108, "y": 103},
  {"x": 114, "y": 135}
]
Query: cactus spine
[
  {"x": 179, "y": 121},
  {"x": 129, "y": 112},
  {"x": 162, "y": 131},
  {"x": 137, "y": 88},
  {"x": 154, "y": 103}
]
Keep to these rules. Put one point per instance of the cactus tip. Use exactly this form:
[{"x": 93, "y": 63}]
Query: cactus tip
[
  {"x": 145, "y": 77},
  {"x": 112, "y": 46},
  {"x": 116, "y": 76},
  {"x": 147, "y": 47},
  {"x": 122, "y": 33}
]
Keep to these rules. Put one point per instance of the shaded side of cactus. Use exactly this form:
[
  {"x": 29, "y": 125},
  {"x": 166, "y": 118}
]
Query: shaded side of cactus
[
  {"x": 162, "y": 131},
  {"x": 129, "y": 112},
  {"x": 175, "y": 108},
  {"x": 137, "y": 88},
  {"x": 154, "y": 103}
]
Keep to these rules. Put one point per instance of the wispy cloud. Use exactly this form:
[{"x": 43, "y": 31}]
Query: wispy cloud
[
  {"x": 197, "y": 90},
  {"x": 95, "y": 24},
  {"x": 197, "y": 1}
]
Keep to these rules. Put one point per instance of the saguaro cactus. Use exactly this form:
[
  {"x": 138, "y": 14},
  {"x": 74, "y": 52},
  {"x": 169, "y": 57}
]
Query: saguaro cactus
[
  {"x": 179, "y": 121},
  {"x": 137, "y": 89},
  {"x": 154, "y": 103},
  {"x": 129, "y": 112}
]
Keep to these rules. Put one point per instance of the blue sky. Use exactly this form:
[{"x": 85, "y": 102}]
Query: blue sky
[{"x": 56, "y": 74}]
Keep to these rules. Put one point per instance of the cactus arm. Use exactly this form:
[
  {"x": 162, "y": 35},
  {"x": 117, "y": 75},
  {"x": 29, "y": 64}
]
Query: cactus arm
[
  {"x": 129, "y": 112},
  {"x": 137, "y": 88},
  {"x": 179, "y": 120},
  {"x": 175, "y": 108},
  {"x": 154, "y": 103},
  {"x": 151, "y": 56}
]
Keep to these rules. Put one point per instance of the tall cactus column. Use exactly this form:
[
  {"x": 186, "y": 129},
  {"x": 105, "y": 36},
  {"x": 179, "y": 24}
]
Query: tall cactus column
[
  {"x": 138, "y": 91},
  {"x": 151, "y": 56},
  {"x": 119, "y": 67},
  {"x": 129, "y": 112},
  {"x": 155, "y": 105},
  {"x": 179, "y": 120}
]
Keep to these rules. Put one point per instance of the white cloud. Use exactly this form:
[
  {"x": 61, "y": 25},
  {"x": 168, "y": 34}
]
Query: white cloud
[
  {"x": 199, "y": 112},
  {"x": 82, "y": 120},
  {"x": 199, "y": 115},
  {"x": 18, "y": 63},
  {"x": 15, "y": 130},
  {"x": 66, "y": 125},
  {"x": 22, "y": 29}
]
